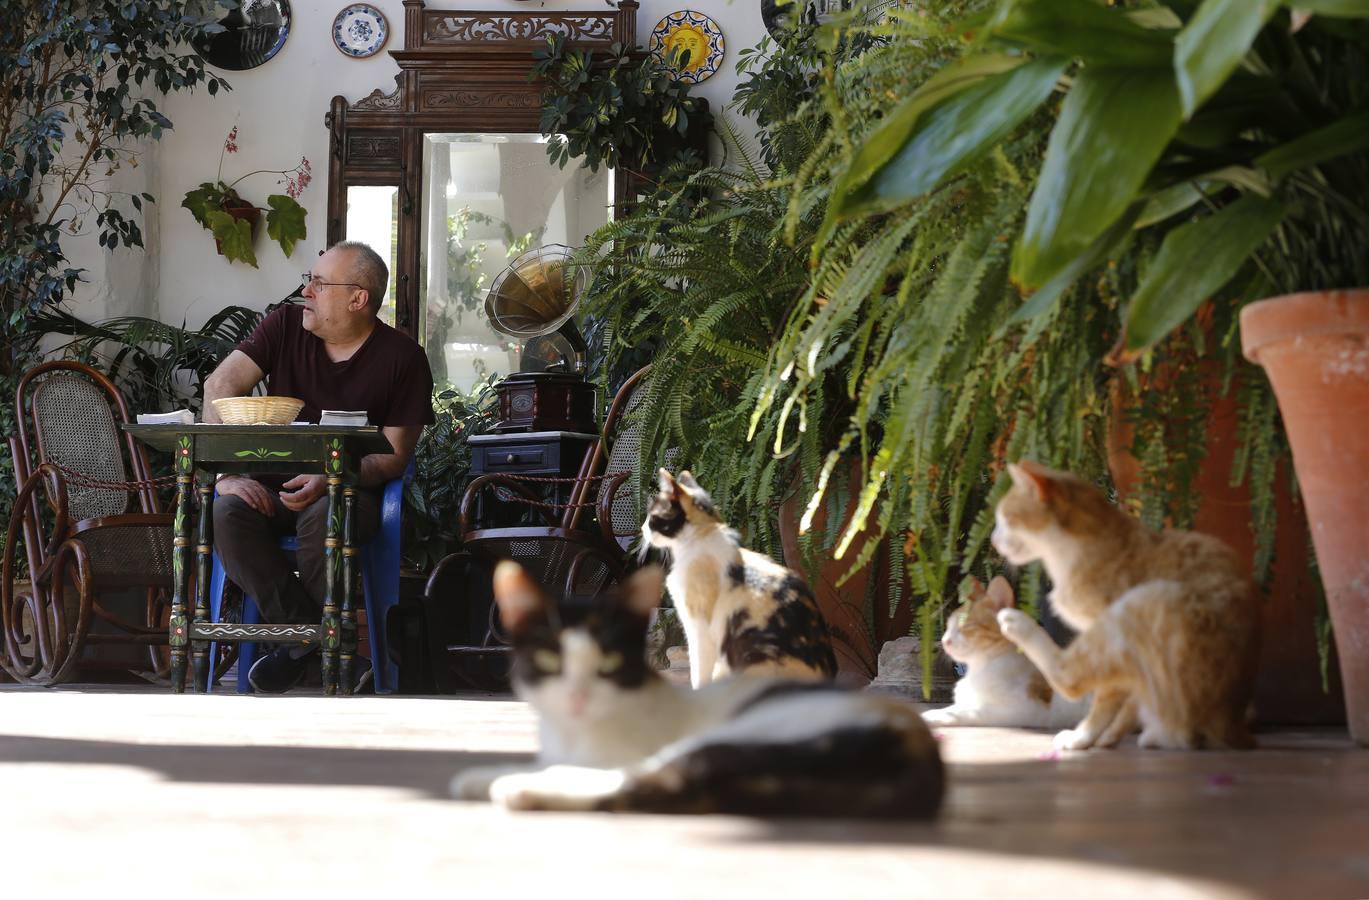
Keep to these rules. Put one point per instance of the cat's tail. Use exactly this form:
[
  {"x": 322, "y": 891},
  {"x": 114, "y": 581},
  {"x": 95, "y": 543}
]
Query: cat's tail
[{"x": 888, "y": 768}]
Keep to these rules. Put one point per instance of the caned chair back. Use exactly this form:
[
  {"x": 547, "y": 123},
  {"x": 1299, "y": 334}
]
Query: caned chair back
[{"x": 74, "y": 427}]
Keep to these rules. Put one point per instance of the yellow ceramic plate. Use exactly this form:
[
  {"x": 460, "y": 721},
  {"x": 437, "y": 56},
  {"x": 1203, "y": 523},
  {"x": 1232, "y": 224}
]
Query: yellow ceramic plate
[{"x": 694, "y": 40}]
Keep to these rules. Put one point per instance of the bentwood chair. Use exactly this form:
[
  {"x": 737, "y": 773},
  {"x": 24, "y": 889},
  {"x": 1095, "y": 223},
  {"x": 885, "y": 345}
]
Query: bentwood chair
[{"x": 86, "y": 524}]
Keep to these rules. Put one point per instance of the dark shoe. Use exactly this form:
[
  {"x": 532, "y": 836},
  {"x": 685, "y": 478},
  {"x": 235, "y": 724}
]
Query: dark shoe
[{"x": 277, "y": 671}]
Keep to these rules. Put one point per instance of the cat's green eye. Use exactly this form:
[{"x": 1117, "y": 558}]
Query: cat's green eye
[
  {"x": 962, "y": 617},
  {"x": 546, "y": 660},
  {"x": 611, "y": 663}
]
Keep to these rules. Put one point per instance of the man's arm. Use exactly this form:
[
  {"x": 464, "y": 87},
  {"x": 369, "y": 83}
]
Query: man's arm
[
  {"x": 379, "y": 468},
  {"x": 234, "y": 377}
]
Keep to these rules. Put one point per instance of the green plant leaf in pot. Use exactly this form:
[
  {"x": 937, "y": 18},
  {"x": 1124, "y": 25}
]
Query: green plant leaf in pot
[
  {"x": 1194, "y": 262},
  {"x": 899, "y": 126},
  {"x": 208, "y": 196},
  {"x": 1113, "y": 126},
  {"x": 1083, "y": 29},
  {"x": 1213, "y": 43},
  {"x": 956, "y": 132},
  {"x": 1349, "y": 9},
  {"x": 234, "y": 236},
  {"x": 285, "y": 222}
]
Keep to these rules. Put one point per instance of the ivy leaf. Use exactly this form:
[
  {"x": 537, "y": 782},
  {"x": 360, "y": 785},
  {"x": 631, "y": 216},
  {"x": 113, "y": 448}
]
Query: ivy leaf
[
  {"x": 234, "y": 236},
  {"x": 285, "y": 222}
]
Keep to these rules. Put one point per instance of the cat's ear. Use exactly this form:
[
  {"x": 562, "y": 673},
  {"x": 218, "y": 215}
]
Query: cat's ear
[
  {"x": 1000, "y": 593},
  {"x": 518, "y": 596},
  {"x": 971, "y": 589},
  {"x": 642, "y": 590},
  {"x": 687, "y": 481},
  {"x": 668, "y": 487},
  {"x": 1032, "y": 476}
]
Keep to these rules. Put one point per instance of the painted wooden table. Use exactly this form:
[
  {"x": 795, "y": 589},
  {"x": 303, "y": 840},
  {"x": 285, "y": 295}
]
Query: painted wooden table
[{"x": 332, "y": 451}]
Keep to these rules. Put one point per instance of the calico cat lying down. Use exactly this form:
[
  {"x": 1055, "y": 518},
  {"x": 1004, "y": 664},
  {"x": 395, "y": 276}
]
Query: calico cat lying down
[
  {"x": 1002, "y": 687},
  {"x": 616, "y": 736},
  {"x": 1168, "y": 623},
  {"x": 740, "y": 610}
]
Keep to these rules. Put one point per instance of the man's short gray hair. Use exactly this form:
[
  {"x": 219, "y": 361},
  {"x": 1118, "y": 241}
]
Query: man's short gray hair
[{"x": 368, "y": 270}]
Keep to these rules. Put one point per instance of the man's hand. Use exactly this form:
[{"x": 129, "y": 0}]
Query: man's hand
[
  {"x": 251, "y": 492},
  {"x": 302, "y": 490}
]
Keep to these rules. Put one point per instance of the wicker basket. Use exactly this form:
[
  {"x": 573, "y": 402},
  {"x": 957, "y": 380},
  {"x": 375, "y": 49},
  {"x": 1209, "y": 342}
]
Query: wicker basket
[{"x": 258, "y": 410}]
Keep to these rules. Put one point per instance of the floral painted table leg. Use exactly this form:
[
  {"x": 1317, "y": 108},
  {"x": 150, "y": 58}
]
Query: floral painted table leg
[
  {"x": 178, "y": 628},
  {"x": 349, "y": 585},
  {"x": 331, "y": 565},
  {"x": 199, "y": 649}
]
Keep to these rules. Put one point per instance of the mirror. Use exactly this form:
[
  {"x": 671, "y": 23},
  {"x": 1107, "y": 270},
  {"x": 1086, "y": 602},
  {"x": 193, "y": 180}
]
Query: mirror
[
  {"x": 373, "y": 219},
  {"x": 486, "y": 199}
]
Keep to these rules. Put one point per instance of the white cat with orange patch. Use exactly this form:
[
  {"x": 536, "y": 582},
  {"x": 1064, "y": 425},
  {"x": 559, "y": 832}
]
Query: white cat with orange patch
[
  {"x": 1168, "y": 622},
  {"x": 1001, "y": 687}
]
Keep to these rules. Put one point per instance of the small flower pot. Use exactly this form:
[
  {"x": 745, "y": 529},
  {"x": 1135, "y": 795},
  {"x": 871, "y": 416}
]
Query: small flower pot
[{"x": 1315, "y": 348}]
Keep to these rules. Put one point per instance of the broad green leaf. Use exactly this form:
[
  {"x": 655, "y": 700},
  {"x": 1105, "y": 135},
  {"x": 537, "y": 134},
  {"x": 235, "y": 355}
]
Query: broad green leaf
[
  {"x": 893, "y": 132},
  {"x": 1194, "y": 262},
  {"x": 1113, "y": 126},
  {"x": 1171, "y": 201},
  {"x": 1345, "y": 135},
  {"x": 1108, "y": 242},
  {"x": 1083, "y": 29},
  {"x": 955, "y": 133},
  {"x": 1346, "y": 9},
  {"x": 1213, "y": 44},
  {"x": 202, "y": 199},
  {"x": 234, "y": 236},
  {"x": 285, "y": 222}
]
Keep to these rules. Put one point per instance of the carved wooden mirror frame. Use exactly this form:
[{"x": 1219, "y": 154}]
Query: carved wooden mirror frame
[{"x": 459, "y": 71}]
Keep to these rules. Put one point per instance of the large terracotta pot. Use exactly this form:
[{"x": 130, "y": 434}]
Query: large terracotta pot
[
  {"x": 857, "y": 641},
  {"x": 1288, "y": 688},
  {"x": 1315, "y": 349}
]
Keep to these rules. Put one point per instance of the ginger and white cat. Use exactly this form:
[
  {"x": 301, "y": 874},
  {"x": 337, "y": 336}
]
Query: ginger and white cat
[
  {"x": 1001, "y": 686},
  {"x": 740, "y": 610},
  {"x": 1168, "y": 623},
  {"x": 617, "y": 736}
]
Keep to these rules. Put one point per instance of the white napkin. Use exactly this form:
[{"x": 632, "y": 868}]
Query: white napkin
[{"x": 175, "y": 417}]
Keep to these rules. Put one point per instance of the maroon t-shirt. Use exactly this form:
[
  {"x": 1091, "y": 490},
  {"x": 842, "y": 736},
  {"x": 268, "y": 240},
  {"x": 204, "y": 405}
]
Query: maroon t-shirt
[{"x": 388, "y": 376}]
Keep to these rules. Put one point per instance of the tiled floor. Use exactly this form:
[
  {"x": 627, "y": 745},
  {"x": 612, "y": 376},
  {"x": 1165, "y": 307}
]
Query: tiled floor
[{"x": 103, "y": 788}]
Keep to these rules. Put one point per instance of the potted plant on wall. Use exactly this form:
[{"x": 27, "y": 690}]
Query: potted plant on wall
[
  {"x": 221, "y": 210},
  {"x": 1240, "y": 126}
]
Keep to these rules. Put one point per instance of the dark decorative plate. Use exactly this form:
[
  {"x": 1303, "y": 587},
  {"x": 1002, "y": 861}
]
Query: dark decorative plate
[
  {"x": 814, "y": 12},
  {"x": 253, "y": 33}
]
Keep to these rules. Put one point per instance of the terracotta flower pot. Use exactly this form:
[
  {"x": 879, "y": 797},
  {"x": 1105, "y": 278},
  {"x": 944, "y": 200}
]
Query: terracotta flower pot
[
  {"x": 1315, "y": 349},
  {"x": 1288, "y": 688}
]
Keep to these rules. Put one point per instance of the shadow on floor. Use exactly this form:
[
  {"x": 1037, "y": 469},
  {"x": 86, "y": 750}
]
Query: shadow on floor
[{"x": 426, "y": 772}]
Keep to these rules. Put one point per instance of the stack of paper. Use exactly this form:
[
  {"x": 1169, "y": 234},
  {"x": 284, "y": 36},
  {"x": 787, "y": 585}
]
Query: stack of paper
[
  {"x": 175, "y": 417},
  {"x": 343, "y": 417}
]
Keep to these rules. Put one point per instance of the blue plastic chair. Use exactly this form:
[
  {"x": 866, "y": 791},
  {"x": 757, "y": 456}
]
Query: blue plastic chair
[{"x": 379, "y": 582}]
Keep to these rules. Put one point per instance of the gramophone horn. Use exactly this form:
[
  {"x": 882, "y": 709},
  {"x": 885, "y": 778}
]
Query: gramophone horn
[{"x": 533, "y": 295}]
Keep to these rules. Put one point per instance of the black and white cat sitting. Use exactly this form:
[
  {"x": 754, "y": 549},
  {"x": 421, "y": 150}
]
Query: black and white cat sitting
[{"x": 616, "y": 736}]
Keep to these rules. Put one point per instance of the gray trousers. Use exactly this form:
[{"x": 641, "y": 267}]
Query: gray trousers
[{"x": 248, "y": 545}]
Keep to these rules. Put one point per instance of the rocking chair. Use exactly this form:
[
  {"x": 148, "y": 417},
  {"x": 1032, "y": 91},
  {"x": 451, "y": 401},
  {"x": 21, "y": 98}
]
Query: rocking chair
[{"x": 78, "y": 477}]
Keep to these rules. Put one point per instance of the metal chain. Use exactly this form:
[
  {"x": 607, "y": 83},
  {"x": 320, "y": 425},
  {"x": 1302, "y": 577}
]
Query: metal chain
[
  {"x": 81, "y": 480},
  {"x": 508, "y": 496}
]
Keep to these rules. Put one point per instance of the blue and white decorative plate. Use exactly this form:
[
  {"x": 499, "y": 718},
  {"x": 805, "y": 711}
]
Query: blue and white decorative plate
[
  {"x": 693, "y": 33},
  {"x": 360, "y": 30}
]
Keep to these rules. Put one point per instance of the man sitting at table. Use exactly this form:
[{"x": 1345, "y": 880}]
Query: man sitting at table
[{"x": 332, "y": 352}]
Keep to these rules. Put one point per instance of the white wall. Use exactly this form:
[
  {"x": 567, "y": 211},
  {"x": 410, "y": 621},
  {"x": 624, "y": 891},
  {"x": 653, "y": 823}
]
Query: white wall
[{"x": 279, "y": 109}]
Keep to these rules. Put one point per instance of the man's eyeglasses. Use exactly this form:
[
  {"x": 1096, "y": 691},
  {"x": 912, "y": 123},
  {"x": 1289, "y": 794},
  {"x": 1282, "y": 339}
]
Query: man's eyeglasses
[{"x": 313, "y": 282}]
